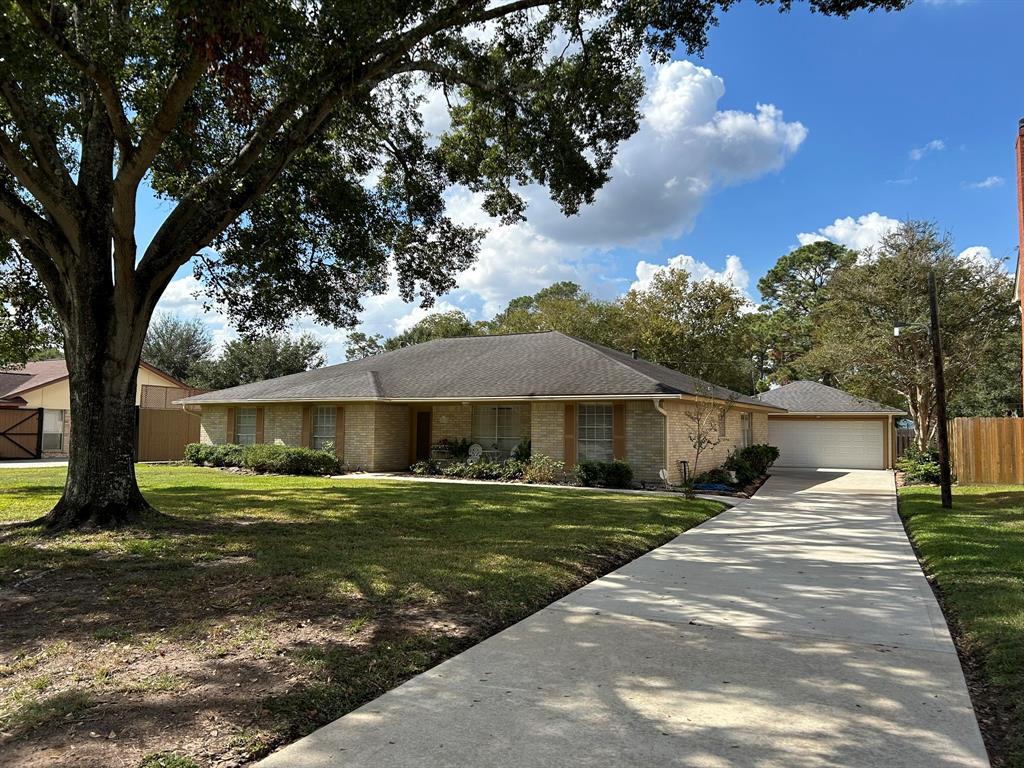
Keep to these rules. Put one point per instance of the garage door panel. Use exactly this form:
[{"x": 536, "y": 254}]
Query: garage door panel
[{"x": 840, "y": 443}]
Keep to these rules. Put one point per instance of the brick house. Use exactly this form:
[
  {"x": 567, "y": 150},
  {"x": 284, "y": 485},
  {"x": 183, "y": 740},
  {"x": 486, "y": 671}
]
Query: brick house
[{"x": 573, "y": 399}]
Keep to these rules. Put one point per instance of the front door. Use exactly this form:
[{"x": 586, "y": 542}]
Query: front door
[{"x": 422, "y": 435}]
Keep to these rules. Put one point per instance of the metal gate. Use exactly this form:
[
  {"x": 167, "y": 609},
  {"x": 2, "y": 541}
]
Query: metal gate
[{"x": 21, "y": 433}]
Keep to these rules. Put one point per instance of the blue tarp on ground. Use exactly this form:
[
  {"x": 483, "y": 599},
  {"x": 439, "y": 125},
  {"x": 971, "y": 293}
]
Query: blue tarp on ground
[{"x": 712, "y": 487}]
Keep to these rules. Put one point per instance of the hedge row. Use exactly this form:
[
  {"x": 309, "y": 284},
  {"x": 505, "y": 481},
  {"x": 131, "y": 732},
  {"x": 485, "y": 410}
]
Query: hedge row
[{"x": 274, "y": 459}]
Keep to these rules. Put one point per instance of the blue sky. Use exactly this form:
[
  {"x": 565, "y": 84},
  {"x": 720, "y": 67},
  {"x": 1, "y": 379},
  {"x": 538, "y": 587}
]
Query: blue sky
[{"x": 791, "y": 127}]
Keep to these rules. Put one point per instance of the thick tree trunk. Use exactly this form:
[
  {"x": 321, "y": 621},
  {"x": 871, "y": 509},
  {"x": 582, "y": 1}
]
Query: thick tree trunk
[{"x": 101, "y": 489}]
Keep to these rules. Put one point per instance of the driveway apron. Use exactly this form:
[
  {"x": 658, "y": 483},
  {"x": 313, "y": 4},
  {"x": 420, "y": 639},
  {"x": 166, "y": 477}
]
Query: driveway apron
[{"x": 795, "y": 629}]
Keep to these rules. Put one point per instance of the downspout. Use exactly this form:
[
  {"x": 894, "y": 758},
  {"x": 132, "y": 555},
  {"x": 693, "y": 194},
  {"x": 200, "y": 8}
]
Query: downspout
[{"x": 663, "y": 412}]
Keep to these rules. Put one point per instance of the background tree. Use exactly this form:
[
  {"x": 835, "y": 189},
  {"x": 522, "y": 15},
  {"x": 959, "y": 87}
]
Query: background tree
[
  {"x": 792, "y": 292},
  {"x": 177, "y": 346},
  {"x": 694, "y": 327},
  {"x": 564, "y": 307},
  {"x": 289, "y": 136},
  {"x": 359, "y": 345},
  {"x": 255, "y": 358},
  {"x": 439, "y": 325},
  {"x": 888, "y": 287}
]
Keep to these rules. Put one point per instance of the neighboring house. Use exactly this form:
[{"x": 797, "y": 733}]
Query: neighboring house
[
  {"x": 44, "y": 384},
  {"x": 573, "y": 399},
  {"x": 826, "y": 427}
]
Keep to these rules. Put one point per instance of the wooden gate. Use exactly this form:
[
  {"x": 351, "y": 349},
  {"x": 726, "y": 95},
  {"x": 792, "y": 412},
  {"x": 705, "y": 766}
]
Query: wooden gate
[
  {"x": 163, "y": 434},
  {"x": 987, "y": 450},
  {"x": 21, "y": 433}
]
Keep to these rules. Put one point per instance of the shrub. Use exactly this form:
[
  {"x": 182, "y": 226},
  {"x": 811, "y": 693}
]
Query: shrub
[
  {"x": 920, "y": 467},
  {"x": 745, "y": 472},
  {"x": 287, "y": 460},
  {"x": 543, "y": 469},
  {"x": 428, "y": 467},
  {"x": 521, "y": 453},
  {"x": 513, "y": 469},
  {"x": 606, "y": 474},
  {"x": 761, "y": 456},
  {"x": 713, "y": 476},
  {"x": 459, "y": 449},
  {"x": 478, "y": 470},
  {"x": 751, "y": 462},
  {"x": 228, "y": 455}
]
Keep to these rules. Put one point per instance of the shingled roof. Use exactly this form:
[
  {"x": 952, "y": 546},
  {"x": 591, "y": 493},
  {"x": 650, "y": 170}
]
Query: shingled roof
[
  {"x": 514, "y": 366},
  {"x": 814, "y": 397}
]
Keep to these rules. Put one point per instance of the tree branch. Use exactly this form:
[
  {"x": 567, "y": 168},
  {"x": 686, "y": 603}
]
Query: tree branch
[
  {"x": 137, "y": 161},
  {"x": 91, "y": 69},
  {"x": 19, "y": 218},
  {"x": 31, "y": 122},
  {"x": 34, "y": 180}
]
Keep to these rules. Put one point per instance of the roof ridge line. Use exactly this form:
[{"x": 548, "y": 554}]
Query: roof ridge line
[{"x": 599, "y": 348}]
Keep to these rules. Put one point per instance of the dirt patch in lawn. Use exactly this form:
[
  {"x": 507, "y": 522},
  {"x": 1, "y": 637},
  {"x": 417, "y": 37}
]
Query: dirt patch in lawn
[{"x": 212, "y": 677}]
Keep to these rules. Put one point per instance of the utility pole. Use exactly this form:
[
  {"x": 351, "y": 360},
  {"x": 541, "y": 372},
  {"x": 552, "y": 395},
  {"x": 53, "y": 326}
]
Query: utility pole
[{"x": 946, "y": 478}]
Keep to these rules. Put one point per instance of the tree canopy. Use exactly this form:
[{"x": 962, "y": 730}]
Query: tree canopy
[{"x": 177, "y": 346}]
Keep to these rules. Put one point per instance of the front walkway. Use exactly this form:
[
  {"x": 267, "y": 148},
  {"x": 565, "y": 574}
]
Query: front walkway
[{"x": 793, "y": 630}]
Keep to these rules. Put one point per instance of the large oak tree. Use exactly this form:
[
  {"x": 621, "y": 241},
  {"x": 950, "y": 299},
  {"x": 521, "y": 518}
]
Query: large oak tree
[{"x": 289, "y": 138}]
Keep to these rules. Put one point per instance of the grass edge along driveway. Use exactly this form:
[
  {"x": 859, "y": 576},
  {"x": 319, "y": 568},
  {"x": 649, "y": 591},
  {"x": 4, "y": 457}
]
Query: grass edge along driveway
[
  {"x": 974, "y": 554},
  {"x": 265, "y": 606}
]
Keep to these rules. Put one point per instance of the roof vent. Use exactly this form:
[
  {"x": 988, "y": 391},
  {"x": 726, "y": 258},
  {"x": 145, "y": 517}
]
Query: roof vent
[{"x": 634, "y": 354}]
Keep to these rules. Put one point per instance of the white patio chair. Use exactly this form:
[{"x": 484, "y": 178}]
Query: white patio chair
[{"x": 475, "y": 452}]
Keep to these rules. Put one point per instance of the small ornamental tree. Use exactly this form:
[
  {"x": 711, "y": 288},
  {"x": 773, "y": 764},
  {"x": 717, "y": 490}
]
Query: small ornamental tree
[
  {"x": 288, "y": 137},
  {"x": 705, "y": 417}
]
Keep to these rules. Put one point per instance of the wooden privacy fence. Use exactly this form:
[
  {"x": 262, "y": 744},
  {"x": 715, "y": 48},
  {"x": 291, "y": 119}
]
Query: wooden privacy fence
[
  {"x": 987, "y": 450},
  {"x": 153, "y": 396},
  {"x": 904, "y": 439},
  {"x": 163, "y": 434}
]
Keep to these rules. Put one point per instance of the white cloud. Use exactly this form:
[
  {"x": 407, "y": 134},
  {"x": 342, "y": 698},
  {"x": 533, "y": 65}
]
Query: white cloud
[
  {"x": 935, "y": 145},
  {"x": 863, "y": 232},
  {"x": 686, "y": 148},
  {"x": 734, "y": 273},
  {"x": 978, "y": 254},
  {"x": 990, "y": 182}
]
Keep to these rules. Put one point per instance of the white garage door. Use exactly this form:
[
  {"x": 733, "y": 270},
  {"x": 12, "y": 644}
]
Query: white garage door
[{"x": 838, "y": 443}]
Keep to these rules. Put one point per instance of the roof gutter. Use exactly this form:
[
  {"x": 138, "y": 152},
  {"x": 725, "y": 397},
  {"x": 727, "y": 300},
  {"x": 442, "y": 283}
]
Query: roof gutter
[
  {"x": 842, "y": 413},
  {"x": 505, "y": 399}
]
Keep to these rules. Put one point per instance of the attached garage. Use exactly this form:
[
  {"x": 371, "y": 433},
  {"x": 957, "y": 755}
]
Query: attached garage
[
  {"x": 837, "y": 443},
  {"x": 826, "y": 427}
]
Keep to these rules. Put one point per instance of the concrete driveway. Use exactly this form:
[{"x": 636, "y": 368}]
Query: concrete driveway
[{"x": 793, "y": 630}]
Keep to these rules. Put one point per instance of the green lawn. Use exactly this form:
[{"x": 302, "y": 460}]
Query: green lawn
[
  {"x": 262, "y": 607},
  {"x": 975, "y": 553}
]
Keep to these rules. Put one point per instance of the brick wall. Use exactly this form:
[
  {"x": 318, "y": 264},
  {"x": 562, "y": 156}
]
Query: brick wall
[
  {"x": 645, "y": 440},
  {"x": 282, "y": 424},
  {"x": 680, "y": 447},
  {"x": 547, "y": 429},
  {"x": 760, "y": 427},
  {"x": 214, "y": 425},
  {"x": 451, "y": 421},
  {"x": 390, "y": 437},
  {"x": 359, "y": 421}
]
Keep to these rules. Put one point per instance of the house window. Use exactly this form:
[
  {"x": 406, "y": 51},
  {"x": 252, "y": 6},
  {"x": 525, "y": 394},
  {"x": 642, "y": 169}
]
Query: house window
[
  {"x": 747, "y": 429},
  {"x": 53, "y": 430},
  {"x": 324, "y": 422},
  {"x": 245, "y": 426},
  {"x": 496, "y": 428},
  {"x": 594, "y": 432}
]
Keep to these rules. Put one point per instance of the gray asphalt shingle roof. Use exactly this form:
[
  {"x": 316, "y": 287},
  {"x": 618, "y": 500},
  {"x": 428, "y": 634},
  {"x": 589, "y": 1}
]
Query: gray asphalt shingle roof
[
  {"x": 512, "y": 366},
  {"x": 814, "y": 397}
]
